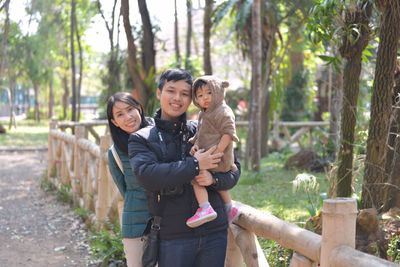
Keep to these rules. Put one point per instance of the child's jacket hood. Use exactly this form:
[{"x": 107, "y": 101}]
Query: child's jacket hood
[{"x": 217, "y": 87}]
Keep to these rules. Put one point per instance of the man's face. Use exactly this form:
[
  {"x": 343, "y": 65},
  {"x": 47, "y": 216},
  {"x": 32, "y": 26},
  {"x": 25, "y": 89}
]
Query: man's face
[{"x": 175, "y": 99}]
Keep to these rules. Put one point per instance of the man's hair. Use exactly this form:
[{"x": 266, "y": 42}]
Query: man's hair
[
  {"x": 175, "y": 75},
  {"x": 119, "y": 136}
]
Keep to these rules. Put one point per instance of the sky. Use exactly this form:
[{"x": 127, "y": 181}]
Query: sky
[{"x": 97, "y": 31}]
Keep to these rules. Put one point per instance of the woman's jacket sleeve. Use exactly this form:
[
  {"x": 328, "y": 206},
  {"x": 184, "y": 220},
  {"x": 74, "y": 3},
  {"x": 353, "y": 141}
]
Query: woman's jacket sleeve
[{"x": 116, "y": 173}]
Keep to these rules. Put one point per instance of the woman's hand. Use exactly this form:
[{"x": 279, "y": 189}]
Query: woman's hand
[
  {"x": 208, "y": 160},
  {"x": 194, "y": 149}
]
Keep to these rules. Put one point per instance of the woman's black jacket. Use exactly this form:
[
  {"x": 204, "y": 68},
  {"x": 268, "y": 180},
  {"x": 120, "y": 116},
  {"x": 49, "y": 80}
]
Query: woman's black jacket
[{"x": 159, "y": 156}]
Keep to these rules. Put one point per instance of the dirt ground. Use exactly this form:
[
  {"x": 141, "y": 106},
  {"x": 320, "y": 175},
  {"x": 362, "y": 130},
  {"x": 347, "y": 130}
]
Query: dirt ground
[{"x": 36, "y": 230}]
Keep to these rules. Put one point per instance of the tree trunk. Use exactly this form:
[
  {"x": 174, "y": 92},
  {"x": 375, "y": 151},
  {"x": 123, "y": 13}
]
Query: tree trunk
[
  {"x": 11, "y": 98},
  {"x": 188, "y": 65},
  {"x": 113, "y": 67},
  {"x": 36, "y": 108},
  {"x": 265, "y": 96},
  {"x": 206, "y": 37},
  {"x": 65, "y": 96},
  {"x": 73, "y": 68},
  {"x": 352, "y": 54},
  {"x": 4, "y": 43},
  {"x": 149, "y": 54},
  {"x": 254, "y": 137},
  {"x": 392, "y": 197},
  {"x": 133, "y": 65},
  {"x": 51, "y": 98},
  {"x": 79, "y": 86},
  {"x": 336, "y": 97},
  {"x": 176, "y": 38},
  {"x": 394, "y": 128},
  {"x": 375, "y": 176}
]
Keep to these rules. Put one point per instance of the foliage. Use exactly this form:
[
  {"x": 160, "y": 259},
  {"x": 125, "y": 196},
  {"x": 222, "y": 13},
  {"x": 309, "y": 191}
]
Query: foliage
[
  {"x": 277, "y": 256},
  {"x": 394, "y": 249},
  {"x": 46, "y": 185},
  {"x": 64, "y": 194},
  {"x": 294, "y": 108},
  {"x": 107, "y": 246}
]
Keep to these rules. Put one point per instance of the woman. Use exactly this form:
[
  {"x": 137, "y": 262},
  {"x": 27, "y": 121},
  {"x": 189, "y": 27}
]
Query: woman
[{"x": 125, "y": 116}]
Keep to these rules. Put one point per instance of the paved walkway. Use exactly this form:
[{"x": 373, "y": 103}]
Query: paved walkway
[{"x": 35, "y": 229}]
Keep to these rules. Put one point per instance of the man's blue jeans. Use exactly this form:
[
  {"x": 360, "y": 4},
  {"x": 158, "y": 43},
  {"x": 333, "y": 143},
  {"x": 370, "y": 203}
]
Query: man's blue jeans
[{"x": 204, "y": 251}]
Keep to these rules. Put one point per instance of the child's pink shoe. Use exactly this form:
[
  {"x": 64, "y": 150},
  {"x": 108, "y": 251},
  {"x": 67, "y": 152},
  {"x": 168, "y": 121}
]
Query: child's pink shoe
[
  {"x": 233, "y": 214},
  {"x": 201, "y": 216}
]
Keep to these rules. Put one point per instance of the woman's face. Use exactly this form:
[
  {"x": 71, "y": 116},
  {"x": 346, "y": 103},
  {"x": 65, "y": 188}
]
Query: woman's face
[{"x": 126, "y": 117}]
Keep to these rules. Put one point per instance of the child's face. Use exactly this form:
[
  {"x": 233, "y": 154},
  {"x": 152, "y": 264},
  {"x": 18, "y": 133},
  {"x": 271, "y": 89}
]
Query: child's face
[
  {"x": 175, "y": 98},
  {"x": 203, "y": 97}
]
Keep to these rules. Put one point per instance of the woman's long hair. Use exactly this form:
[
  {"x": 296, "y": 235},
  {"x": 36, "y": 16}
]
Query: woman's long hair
[{"x": 119, "y": 136}]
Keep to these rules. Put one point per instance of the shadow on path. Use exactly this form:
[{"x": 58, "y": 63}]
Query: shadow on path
[{"x": 36, "y": 230}]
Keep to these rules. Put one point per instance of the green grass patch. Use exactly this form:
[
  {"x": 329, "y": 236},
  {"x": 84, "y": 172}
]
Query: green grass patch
[
  {"x": 271, "y": 190},
  {"x": 27, "y": 134}
]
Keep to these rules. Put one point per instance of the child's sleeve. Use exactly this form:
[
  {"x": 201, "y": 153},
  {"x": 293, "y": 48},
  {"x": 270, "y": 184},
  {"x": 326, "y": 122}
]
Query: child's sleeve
[{"x": 227, "y": 125}]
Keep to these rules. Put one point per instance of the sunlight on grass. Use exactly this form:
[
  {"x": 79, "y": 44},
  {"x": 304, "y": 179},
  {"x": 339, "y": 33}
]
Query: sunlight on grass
[
  {"x": 28, "y": 133},
  {"x": 272, "y": 190}
]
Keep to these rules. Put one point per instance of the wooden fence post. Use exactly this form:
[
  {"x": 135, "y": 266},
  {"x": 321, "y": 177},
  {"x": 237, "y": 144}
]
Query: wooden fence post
[
  {"x": 77, "y": 180},
  {"x": 233, "y": 257},
  {"x": 338, "y": 226},
  {"x": 251, "y": 251},
  {"x": 103, "y": 184},
  {"x": 300, "y": 261},
  {"x": 51, "y": 151}
]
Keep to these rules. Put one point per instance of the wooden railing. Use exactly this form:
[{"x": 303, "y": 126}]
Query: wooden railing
[{"x": 83, "y": 165}]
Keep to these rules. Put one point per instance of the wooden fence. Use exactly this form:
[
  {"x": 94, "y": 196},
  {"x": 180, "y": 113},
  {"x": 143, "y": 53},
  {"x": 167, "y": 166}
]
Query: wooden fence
[{"x": 83, "y": 165}]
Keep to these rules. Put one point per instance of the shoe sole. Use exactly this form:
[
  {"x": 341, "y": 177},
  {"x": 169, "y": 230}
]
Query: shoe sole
[{"x": 203, "y": 220}]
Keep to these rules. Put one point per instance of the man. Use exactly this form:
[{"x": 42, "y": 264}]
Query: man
[{"x": 159, "y": 156}]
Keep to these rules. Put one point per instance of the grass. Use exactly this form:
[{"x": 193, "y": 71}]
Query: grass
[
  {"x": 272, "y": 190},
  {"x": 27, "y": 134}
]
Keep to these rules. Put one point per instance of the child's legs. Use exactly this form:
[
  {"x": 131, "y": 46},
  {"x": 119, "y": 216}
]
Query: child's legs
[
  {"x": 200, "y": 192},
  {"x": 226, "y": 196}
]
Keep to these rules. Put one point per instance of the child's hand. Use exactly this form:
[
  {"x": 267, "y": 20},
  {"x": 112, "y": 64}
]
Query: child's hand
[{"x": 194, "y": 149}]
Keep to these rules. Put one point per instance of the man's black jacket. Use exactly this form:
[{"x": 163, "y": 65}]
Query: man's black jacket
[{"x": 159, "y": 156}]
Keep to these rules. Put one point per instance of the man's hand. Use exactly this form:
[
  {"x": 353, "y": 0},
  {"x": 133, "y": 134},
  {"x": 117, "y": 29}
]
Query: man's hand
[
  {"x": 204, "y": 178},
  {"x": 208, "y": 160}
]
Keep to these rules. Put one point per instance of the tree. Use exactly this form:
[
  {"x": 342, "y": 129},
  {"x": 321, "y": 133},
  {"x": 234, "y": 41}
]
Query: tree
[
  {"x": 176, "y": 38},
  {"x": 188, "y": 64},
  {"x": 347, "y": 25},
  {"x": 355, "y": 39},
  {"x": 73, "y": 67},
  {"x": 254, "y": 137},
  {"x": 149, "y": 54},
  {"x": 112, "y": 78},
  {"x": 375, "y": 176},
  {"x": 143, "y": 92},
  {"x": 392, "y": 194},
  {"x": 207, "y": 67}
]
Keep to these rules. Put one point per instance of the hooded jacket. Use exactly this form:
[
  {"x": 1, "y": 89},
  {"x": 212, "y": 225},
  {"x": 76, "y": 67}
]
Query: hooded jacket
[{"x": 215, "y": 121}]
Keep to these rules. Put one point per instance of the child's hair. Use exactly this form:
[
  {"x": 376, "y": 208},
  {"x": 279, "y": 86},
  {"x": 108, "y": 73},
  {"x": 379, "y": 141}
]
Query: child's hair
[
  {"x": 175, "y": 75},
  {"x": 198, "y": 84},
  {"x": 119, "y": 136}
]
